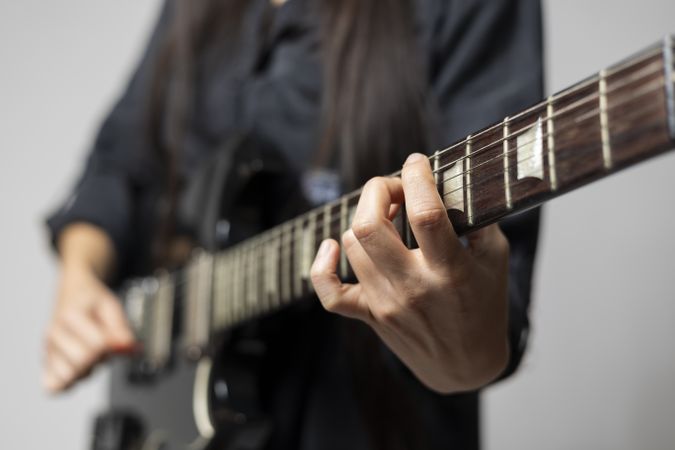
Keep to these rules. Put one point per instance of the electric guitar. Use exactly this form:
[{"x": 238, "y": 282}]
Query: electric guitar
[{"x": 185, "y": 388}]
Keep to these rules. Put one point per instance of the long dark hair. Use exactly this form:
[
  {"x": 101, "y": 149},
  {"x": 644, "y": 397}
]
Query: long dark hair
[{"x": 373, "y": 114}]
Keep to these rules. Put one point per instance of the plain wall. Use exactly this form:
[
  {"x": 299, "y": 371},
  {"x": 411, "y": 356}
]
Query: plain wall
[{"x": 600, "y": 372}]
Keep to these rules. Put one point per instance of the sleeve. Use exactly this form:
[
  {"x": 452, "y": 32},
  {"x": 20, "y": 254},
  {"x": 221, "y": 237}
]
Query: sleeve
[
  {"x": 486, "y": 64},
  {"x": 119, "y": 164}
]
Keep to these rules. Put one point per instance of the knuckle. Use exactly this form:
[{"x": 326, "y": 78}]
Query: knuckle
[
  {"x": 374, "y": 183},
  {"x": 365, "y": 230},
  {"x": 428, "y": 217}
]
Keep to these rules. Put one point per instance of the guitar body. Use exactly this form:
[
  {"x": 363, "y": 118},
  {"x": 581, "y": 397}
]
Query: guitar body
[
  {"x": 200, "y": 396},
  {"x": 211, "y": 403}
]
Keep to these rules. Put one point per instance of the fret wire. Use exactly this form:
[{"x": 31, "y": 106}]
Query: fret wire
[
  {"x": 505, "y": 157},
  {"x": 467, "y": 184},
  {"x": 553, "y": 175},
  {"x": 343, "y": 227},
  {"x": 604, "y": 121},
  {"x": 297, "y": 257}
]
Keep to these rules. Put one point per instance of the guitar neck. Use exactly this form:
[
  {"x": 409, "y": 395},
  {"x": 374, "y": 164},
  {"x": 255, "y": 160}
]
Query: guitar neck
[{"x": 618, "y": 117}]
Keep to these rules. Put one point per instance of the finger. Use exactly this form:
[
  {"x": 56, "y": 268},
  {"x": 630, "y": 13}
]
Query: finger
[
  {"x": 335, "y": 296},
  {"x": 59, "y": 373},
  {"x": 427, "y": 215},
  {"x": 374, "y": 230},
  {"x": 488, "y": 242},
  {"x": 111, "y": 315},
  {"x": 78, "y": 355},
  {"x": 88, "y": 331}
]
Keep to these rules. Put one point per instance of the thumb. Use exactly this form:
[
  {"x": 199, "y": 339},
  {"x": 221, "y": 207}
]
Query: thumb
[{"x": 114, "y": 323}]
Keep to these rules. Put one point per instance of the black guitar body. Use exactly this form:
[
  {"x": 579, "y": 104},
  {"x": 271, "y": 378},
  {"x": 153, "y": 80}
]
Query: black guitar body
[
  {"x": 209, "y": 400},
  {"x": 204, "y": 405}
]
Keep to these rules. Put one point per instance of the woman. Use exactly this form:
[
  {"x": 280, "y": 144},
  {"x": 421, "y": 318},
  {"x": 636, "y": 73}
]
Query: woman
[{"x": 349, "y": 87}]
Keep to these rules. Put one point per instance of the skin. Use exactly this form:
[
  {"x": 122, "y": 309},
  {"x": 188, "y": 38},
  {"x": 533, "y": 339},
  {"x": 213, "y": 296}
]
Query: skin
[
  {"x": 88, "y": 322},
  {"x": 442, "y": 308}
]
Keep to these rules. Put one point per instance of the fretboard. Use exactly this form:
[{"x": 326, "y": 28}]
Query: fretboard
[{"x": 618, "y": 117}]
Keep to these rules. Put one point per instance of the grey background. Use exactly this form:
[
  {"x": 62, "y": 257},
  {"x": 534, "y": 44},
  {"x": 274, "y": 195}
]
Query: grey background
[{"x": 600, "y": 372}]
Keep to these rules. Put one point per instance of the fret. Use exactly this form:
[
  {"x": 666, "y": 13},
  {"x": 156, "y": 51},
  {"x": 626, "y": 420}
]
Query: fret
[
  {"x": 245, "y": 285},
  {"x": 272, "y": 256},
  {"x": 505, "y": 157},
  {"x": 260, "y": 273},
  {"x": 232, "y": 287},
  {"x": 251, "y": 278},
  {"x": 530, "y": 152},
  {"x": 158, "y": 349},
  {"x": 199, "y": 298},
  {"x": 550, "y": 130},
  {"x": 327, "y": 220},
  {"x": 467, "y": 177},
  {"x": 604, "y": 126},
  {"x": 578, "y": 146},
  {"x": 436, "y": 165},
  {"x": 297, "y": 257},
  {"x": 219, "y": 290},
  {"x": 489, "y": 182},
  {"x": 529, "y": 156},
  {"x": 309, "y": 245},
  {"x": 237, "y": 284},
  {"x": 669, "y": 77},
  {"x": 452, "y": 180},
  {"x": 229, "y": 281},
  {"x": 344, "y": 226},
  {"x": 286, "y": 261},
  {"x": 636, "y": 110},
  {"x": 451, "y": 164}
]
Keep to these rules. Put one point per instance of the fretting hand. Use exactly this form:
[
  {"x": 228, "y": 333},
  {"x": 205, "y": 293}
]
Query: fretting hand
[{"x": 441, "y": 308}]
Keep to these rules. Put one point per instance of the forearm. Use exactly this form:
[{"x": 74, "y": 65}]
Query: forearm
[{"x": 85, "y": 246}]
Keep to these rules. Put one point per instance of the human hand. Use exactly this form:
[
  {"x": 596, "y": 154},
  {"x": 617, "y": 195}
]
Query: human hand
[
  {"x": 441, "y": 308},
  {"x": 88, "y": 323}
]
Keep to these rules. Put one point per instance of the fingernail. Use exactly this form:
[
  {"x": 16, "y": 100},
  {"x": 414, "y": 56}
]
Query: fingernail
[
  {"x": 415, "y": 157},
  {"x": 323, "y": 249}
]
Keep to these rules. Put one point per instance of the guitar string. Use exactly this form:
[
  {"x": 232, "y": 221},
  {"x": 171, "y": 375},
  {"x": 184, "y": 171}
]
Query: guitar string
[
  {"x": 533, "y": 109},
  {"x": 268, "y": 235},
  {"x": 290, "y": 227},
  {"x": 473, "y": 154},
  {"x": 574, "y": 89},
  {"x": 238, "y": 310},
  {"x": 589, "y": 115},
  {"x": 267, "y": 300},
  {"x": 556, "y": 114},
  {"x": 319, "y": 212}
]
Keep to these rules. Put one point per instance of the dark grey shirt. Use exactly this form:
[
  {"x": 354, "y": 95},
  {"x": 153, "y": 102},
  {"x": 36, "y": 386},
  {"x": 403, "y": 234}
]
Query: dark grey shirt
[{"x": 484, "y": 61}]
